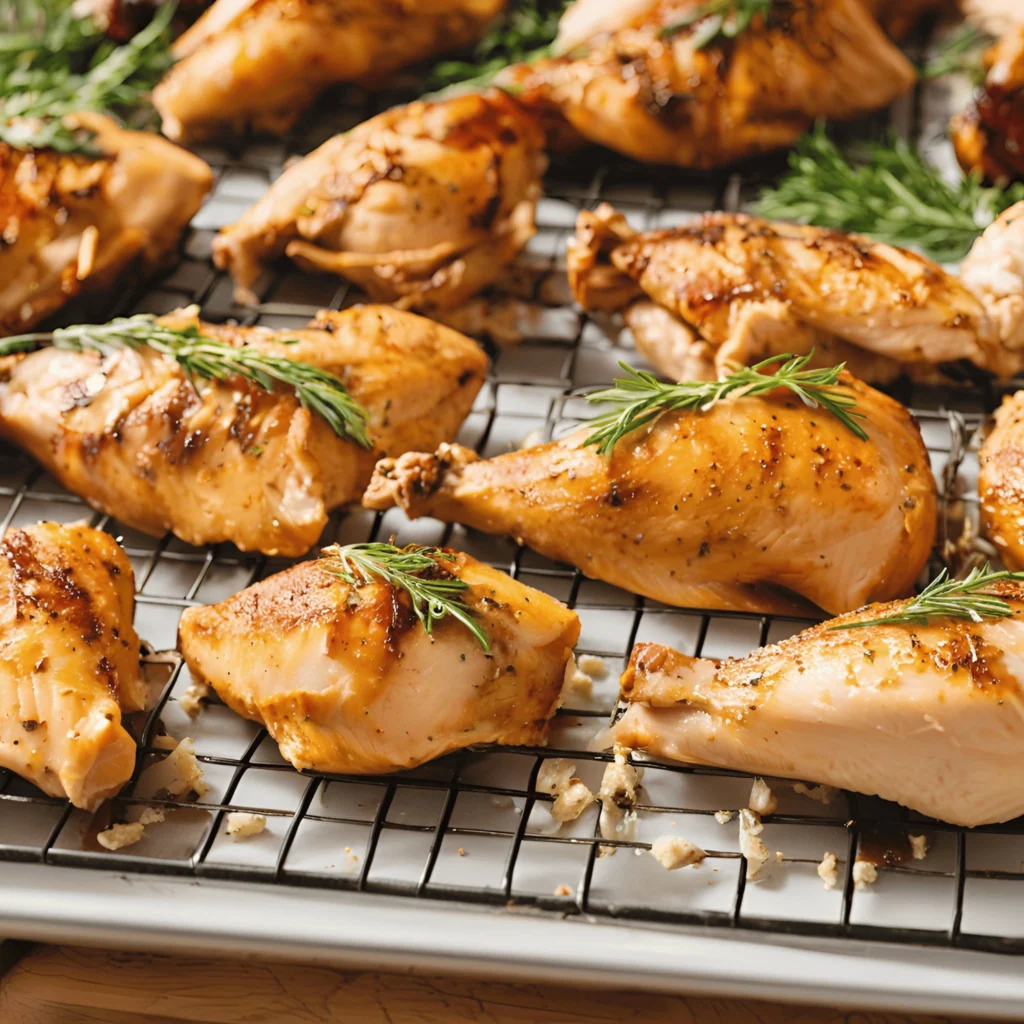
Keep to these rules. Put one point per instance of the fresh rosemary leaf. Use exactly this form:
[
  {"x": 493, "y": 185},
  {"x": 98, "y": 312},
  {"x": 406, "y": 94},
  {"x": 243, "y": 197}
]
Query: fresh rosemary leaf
[
  {"x": 960, "y": 54},
  {"x": 718, "y": 19},
  {"x": 641, "y": 398},
  {"x": 204, "y": 358},
  {"x": 420, "y": 571},
  {"x": 892, "y": 195},
  {"x": 944, "y": 598}
]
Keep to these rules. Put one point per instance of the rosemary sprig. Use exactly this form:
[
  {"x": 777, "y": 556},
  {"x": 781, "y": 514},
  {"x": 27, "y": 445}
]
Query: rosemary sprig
[
  {"x": 432, "y": 588},
  {"x": 641, "y": 398},
  {"x": 718, "y": 19},
  {"x": 893, "y": 195},
  {"x": 960, "y": 54},
  {"x": 944, "y": 598},
  {"x": 204, "y": 358}
]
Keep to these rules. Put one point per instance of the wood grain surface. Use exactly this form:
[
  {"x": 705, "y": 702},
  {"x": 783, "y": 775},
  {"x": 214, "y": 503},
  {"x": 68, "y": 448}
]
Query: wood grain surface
[{"x": 66, "y": 985}]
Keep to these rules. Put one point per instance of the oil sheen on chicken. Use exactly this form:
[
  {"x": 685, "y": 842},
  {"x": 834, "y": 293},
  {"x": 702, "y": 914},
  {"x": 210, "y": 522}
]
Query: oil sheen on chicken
[
  {"x": 710, "y": 510},
  {"x": 422, "y": 205},
  {"x": 928, "y": 716},
  {"x": 227, "y": 461},
  {"x": 70, "y": 664},
  {"x": 346, "y": 679},
  {"x": 74, "y": 223}
]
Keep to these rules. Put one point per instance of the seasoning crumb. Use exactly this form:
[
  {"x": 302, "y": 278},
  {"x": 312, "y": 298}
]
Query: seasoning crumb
[
  {"x": 195, "y": 698},
  {"x": 241, "y": 825},
  {"x": 751, "y": 846},
  {"x": 118, "y": 836},
  {"x": 778, "y": 857},
  {"x": 177, "y": 774},
  {"x": 919, "y": 846},
  {"x": 865, "y": 874},
  {"x": 563, "y": 890},
  {"x": 594, "y": 666},
  {"x": 673, "y": 852},
  {"x": 572, "y": 801},
  {"x": 152, "y": 816},
  {"x": 827, "y": 871},
  {"x": 821, "y": 794},
  {"x": 762, "y": 799},
  {"x": 165, "y": 742},
  {"x": 576, "y": 681},
  {"x": 555, "y": 775},
  {"x": 723, "y": 817},
  {"x": 462, "y": 852}
]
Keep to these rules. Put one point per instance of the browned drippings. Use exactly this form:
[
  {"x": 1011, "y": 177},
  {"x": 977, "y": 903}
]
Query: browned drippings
[{"x": 884, "y": 847}]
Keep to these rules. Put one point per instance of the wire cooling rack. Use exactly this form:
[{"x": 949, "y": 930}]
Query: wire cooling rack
[{"x": 471, "y": 827}]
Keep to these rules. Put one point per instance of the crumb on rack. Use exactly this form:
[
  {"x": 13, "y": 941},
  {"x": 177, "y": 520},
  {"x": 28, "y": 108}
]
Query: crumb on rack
[
  {"x": 673, "y": 852},
  {"x": 762, "y": 799},
  {"x": 242, "y": 824},
  {"x": 779, "y": 858},
  {"x": 595, "y": 667},
  {"x": 919, "y": 846},
  {"x": 620, "y": 780},
  {"x": 827, "y": 871},
  {"x": 821, "y": 794},
  {"x": 195, "y": 698},
  {"x": 563, "y": 890},
  {"x": 462, "y": 852},
  {"x": 572, "y": 801},
  {"x": 576, "y": 681},
  {"x": 163, "y": 742},
  {"x": 118, "y": 836},
  {"x": 178, "y": 774},
  {"x": 751, "y": 846},
  {"x": 865, "y": 874},
  {"x": 152, "y": 816},
  {"x": 723, "y": 817},
  {"x": 554, "y": 775}
]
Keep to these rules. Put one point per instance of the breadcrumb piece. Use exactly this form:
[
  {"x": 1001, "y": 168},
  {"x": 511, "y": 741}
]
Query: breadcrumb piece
[
  {"x": 827, "y": 871},
  {"x": 594, "y": 666},
  {"x": 118, "y": 836},
  {"x": 177, "y": 774},
  {"x": 751, "y": 846},
  {"x": 865, "y": 874},
  {"x": 821, "y": 794},
  {"x": 762, "y": 799},
  {"x": 723, "y": 817},
  {"x": 165, "y": 742},
  {"x": 572, "y": 801},
  {"x": 673, "y": 852},
  {"x": 241, "y": 825},
  {"x": 555, "y": 775},
  {"x": 152, "y": 816},
  {"x": 576, "y": 681},
  {"x": 194, "y": 699},
  {"x": 620, "y": 780},
  {"x": 778, "y": 857},
  {"x": 919, "y": 846}
]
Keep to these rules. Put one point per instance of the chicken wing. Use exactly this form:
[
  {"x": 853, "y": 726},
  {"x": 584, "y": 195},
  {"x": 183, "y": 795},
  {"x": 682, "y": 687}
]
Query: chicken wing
[
  {"x": 73, "y": 223},
  {"x": 70, "y": 664},
  {"x": 928, "y": 716},
  {"x": 705, "y": 509},
  {"x": 260, "y": 63},
  {"x": 737, "y": 289},
  {"x": 226, "y": 460},
  {"x": 423, "y": 205},
  {"x": 643, "y": 86},
  {"x": 346, "y": 680}
]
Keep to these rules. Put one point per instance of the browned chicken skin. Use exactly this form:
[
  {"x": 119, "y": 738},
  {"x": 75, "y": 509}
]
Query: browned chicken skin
[
  {"x": 226, "y": 460},
  {"x": 422, "y": 205},
  {"x": 659, "y": 100},
  {"x": 74, "y": 223},
  {"x": 346, "y": 680},
  {"x": 260, "y": 63},
  {"x": 705, "y": 509},
  {"x": 1001, "y": 482},
  {"x": 70, "y": 664},
  {"x": 899, "y": 17}
]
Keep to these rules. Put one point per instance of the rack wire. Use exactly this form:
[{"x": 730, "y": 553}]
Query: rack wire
[{"x": 472, "y": 827}]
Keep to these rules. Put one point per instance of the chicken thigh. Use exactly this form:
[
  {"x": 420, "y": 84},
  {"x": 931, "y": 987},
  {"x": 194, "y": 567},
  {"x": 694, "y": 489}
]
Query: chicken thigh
[
  {"x": 926, "y": 715},
  {"x": 73, "y": 223},
  {"x": 346, "y": 680},
  {"x": 226, "y": 460},
  {"x": 260, "y": 63},
  {"x": 70, "y": 664},
  {"x": 705, "y": 509}
]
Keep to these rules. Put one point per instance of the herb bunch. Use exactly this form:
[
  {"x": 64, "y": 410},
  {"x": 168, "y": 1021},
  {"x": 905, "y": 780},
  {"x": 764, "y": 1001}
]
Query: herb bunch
[
  {"x": 718, "y": 19},
  {"x": 960, "y": 54},
  {"x": 640, "y": 398},
  {"x": 204, "y": 358},
  {"x": 944, "y": 598},
  {"x": 435, "y": 592},
  {"x": 893, "y": 195}
]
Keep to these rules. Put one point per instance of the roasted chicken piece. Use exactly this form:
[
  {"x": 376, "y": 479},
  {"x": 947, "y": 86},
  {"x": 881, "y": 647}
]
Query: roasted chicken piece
[
  {"x": 899, "y": 17},
  {"x": 70, "y": 664},
  {"x": 422, "y": 205},
  {"x": 731, "y": 288},
  {"x": 74, "y": 223},
  {"x": 347, "y": 680},
  {"x": 260, "y": 63},
  {"x": 927, "y": 716},
  {"x": 708, "y": 510},
  {"x": 122, "y": 19},
  {"x": 1001, "y": 482},
  {"x": 649, "y": 91},
  {"x": 228, "y": 461}
]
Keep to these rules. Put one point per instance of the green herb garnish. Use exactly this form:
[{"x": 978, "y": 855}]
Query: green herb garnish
[
  {"x": 892, "y": 195},
  {"x": 641, "y": 398},
  {"x": 204, "y": 358},
  {"x": 434, "y": 591},
  {"x": 960, "y": 54},
  {"x": 718, "y": 19},
  {"x": 944, "y": 598}
]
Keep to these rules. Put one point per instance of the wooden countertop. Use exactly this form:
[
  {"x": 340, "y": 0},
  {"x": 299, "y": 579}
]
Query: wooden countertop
[{"x": 68, "y": 985}]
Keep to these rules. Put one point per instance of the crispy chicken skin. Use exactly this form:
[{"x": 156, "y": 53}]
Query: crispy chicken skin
[
  {"x": 227, "y": 461},
  {"x": 731, "y": 288},
  {"x": 422, "y": 205},
  {"x": 70, "y": 663},
  {"x": 927, "y": 716},
  {"x": 1001, "y": 481},
  {"x": 73, "y": 223},
  {"x": 705, "y": 509},
  {"x": 660, "y": 100},
  {"x": 260, "y": 63},
  {"x": 346, "y": 680}
]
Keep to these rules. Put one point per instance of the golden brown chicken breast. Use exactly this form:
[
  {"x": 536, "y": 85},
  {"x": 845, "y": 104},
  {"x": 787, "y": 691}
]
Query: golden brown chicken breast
[
  {"x": 706, "y": 509},
  {"x": 260, "y": 63},
  {"x": 643, "y": 85},
  {"x": 423, "y": 205},
  {"x": 1001, "y": 481},
  {"x": 346, "y": 679},
  {"x": 70, "y": 664},
  {"x": 74, "y": 223},
  {"x": 227, "y": 460}
]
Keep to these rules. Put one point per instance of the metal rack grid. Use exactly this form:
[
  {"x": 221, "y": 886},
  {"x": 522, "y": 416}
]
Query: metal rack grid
[{"x": 471, "y": 827}]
